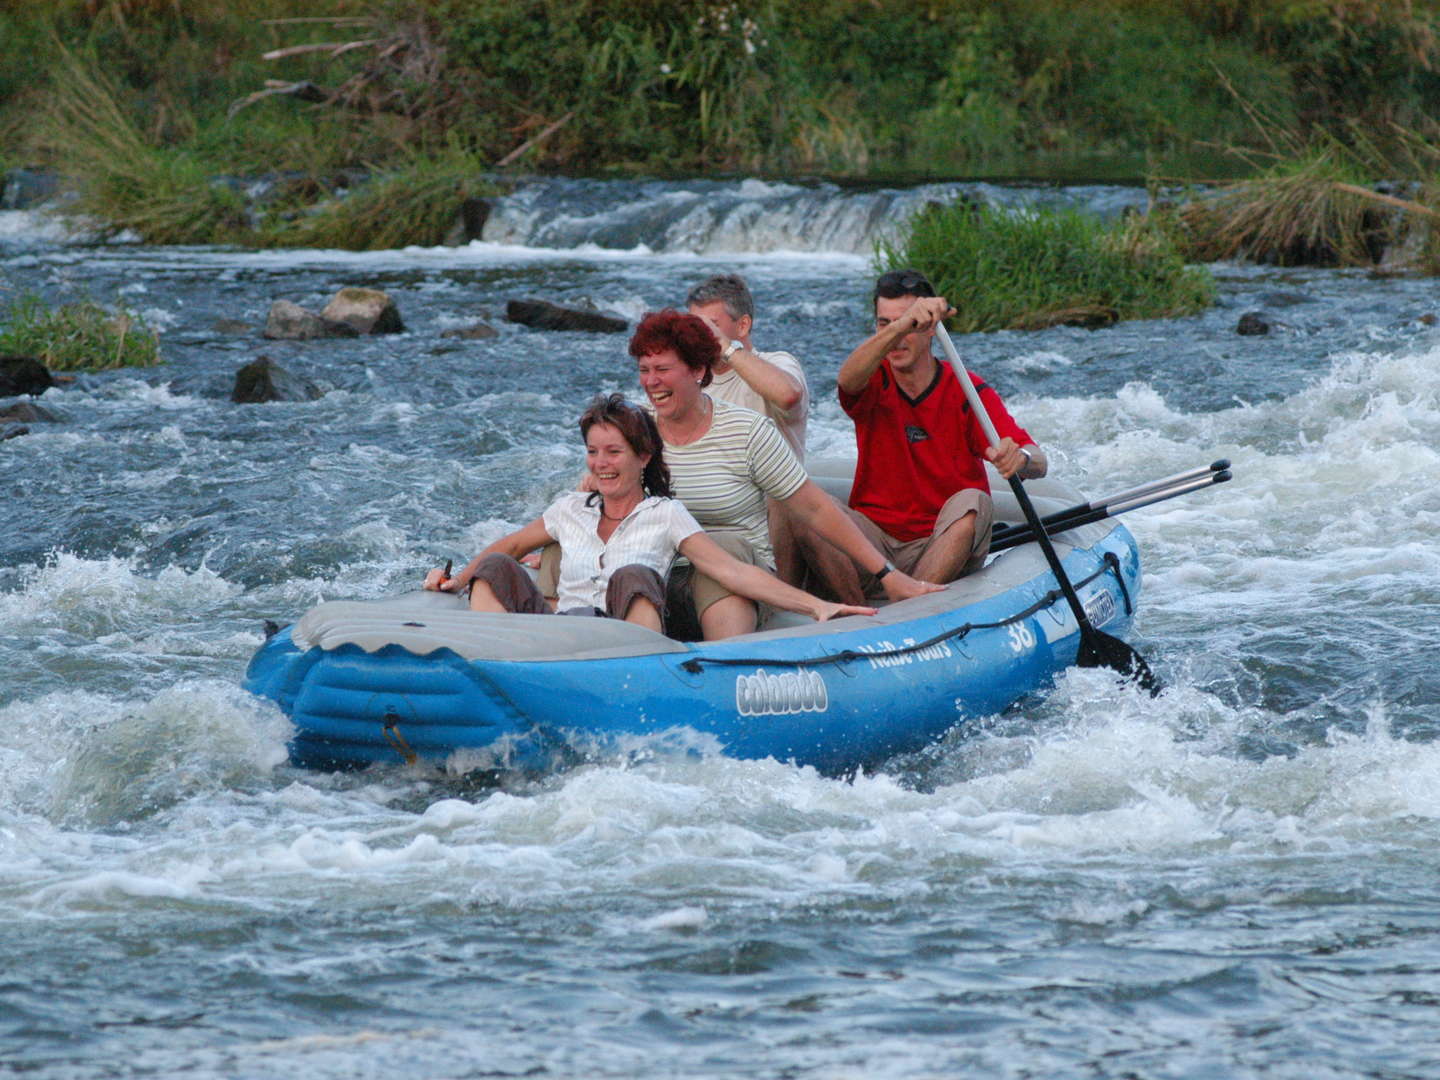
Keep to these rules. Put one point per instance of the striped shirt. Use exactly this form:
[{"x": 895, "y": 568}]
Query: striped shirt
[
  {"x": 648, "y": 536},
  {"x": 791, "y": 422},
  {"x": 724, "y": 476}
]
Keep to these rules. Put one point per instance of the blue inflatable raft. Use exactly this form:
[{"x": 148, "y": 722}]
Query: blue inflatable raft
[{"x": 420, "y": 677}]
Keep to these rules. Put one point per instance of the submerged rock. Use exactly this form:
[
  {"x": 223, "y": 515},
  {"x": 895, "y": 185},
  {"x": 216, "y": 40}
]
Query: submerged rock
[
  {"x": 232, "y": 326},
  {"x": 475, "y": 332},
  {"x": 23, "y": 375},
  {"x": 1252, "y": 324},
  {"x": 28, "y": 413},
  {"x": 264, "y": 380},
  {"x": 26, "y": 188},
  {"x": 291, "y": 322},
  {"x": 543, "y": 315},
  {"x": 12, "y": 431},
  {"x": 366, "y": 311}
]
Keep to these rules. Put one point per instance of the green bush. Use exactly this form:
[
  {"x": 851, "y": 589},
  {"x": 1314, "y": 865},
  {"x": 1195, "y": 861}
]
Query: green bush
[
  {"x": 1031, "y": 268},
  {"x": 844, "y": 87},
  {"x": 80, "y": 336}
]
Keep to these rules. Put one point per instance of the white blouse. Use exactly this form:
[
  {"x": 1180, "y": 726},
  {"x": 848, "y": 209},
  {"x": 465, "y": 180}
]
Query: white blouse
[{"x": 649, "y": 536}]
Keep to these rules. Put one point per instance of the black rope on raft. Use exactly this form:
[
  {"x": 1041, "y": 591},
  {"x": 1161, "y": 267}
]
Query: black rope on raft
[
  {"x": 1112, "y": 561},
  {"x": 695, "y": 664}
]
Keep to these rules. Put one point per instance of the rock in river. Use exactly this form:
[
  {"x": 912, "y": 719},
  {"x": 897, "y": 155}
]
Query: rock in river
[
  {"x": 23, "y": 375},
  {"x": 264, "y": 380},
  {"x": 367, "y": 311},
  {"x": 543, "y": 315},
  {"x": 294, "y": 323}
]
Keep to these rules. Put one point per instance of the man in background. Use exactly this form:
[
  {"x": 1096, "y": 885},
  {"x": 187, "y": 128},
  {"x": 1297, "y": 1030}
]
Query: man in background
[{"x": 771, "y": 383}]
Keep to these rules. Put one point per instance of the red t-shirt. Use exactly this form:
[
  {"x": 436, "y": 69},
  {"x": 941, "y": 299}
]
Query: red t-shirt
[{"x": 916, "y": 453}]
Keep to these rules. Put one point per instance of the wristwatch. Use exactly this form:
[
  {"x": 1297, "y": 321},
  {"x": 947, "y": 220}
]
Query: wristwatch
[
  {"x": 732, "y": 349},
  {"x": 879, "y": 574}
]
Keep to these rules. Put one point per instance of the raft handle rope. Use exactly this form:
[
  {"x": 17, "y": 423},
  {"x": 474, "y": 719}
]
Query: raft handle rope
[
  {"x": 1111, "y": 565},
  {"x": 390, "y": 725}
]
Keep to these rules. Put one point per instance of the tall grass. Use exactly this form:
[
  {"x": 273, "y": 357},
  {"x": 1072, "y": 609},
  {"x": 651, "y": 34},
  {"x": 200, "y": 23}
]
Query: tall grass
[
  {"x": 80, "y": 336},
  {"x": 843, "y": 87},
  {"x": 415, "y": 204},
  {"x": 126, "y": 182},
  {"x": 1033, "y": 268},
  {"x": 1312, "y": 202}
]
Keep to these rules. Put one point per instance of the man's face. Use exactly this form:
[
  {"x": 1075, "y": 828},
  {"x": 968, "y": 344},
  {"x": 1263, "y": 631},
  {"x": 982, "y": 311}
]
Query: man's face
[
  {"x": 911, "y": 349},
  {"x": 730, "y": 328}
]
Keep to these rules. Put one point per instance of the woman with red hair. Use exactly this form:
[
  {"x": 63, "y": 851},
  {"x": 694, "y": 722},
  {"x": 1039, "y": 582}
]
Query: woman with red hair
[{"x": 724, "y": 462}]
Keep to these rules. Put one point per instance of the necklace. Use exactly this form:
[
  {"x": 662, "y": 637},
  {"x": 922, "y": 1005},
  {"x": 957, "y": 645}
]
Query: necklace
[
  {"x": 697, "y": 427},
  {"x": 607, "y": 517}
]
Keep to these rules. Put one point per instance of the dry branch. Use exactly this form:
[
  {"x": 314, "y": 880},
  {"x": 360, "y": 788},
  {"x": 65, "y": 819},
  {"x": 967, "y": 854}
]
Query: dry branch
[
  {"x": 301, "y": 91},
  {"x": 533, "y": 140},
  {"x": 334, "y": 48}
]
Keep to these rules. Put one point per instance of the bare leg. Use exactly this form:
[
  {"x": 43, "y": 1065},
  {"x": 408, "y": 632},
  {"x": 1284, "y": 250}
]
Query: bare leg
[
  {"x": 832, "y": 573},
  {"x": 946, "y": 555},
  {"x": 643, "y": 613},
  {"x": 728, "y": 617},
  {"x": 789, "y": 563},
  {"x": 482, "y": 598}
]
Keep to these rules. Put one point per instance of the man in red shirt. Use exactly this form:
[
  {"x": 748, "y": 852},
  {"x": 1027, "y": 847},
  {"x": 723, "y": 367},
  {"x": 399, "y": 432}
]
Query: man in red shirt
[{"x": 920, "y": 492}]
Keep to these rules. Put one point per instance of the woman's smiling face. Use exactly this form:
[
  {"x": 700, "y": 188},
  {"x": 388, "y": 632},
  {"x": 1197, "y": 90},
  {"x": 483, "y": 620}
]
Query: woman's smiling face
[
  {"x": 614, "y": 465},
  {"x": 671, "y": 384}
]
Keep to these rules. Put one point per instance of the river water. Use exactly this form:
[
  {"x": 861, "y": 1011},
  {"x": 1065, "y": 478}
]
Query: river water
[{"x": 1234, "y": 879}]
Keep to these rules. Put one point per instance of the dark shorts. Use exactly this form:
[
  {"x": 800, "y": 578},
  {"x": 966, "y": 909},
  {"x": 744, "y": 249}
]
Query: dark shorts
[
  {"x": 518, "y": 593},
  {"x": 689, "y": 592}
]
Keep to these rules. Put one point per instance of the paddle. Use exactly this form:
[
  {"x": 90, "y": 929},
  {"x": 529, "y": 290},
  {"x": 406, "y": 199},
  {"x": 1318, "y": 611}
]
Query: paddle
[
  {"x": 1205, "y": 473},
  {"x": 1097, "y": 648},
  {"x": 1014, "y": 536}
]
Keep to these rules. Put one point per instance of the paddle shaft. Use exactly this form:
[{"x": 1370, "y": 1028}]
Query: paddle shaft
[
  {"x": 1016, "y": 485},
  {"x": 1004, "y": 539},
  {"x": 1136, "y": 491}
]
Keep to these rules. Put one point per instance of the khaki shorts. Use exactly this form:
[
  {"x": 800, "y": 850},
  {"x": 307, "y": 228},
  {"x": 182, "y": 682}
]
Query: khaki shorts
[
  {"x": 906, "y": 554},
  {"x": 689, "y": 592}
]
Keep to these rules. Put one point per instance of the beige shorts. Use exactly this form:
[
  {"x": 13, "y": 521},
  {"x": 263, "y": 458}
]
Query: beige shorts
[{"x": 906, "y": 554}]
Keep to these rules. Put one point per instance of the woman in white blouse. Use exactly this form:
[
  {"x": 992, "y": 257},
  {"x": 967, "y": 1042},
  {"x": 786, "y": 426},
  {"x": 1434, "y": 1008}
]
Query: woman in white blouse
[{"x": 617, "y": 541}]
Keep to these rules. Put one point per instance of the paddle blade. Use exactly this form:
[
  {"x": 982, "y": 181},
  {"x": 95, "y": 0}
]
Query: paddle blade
[{"x": 1099, "y": 649}]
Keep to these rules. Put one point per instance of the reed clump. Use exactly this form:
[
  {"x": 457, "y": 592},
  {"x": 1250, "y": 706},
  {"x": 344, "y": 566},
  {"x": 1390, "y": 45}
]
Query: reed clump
[
  {"x": 1026, "y": 269},
  {"x": 1316, "y": 203},
  {"x": 415, "y": 204},
  {"x": 127, "y": 183},
  {"x": 78, "y": 336}
]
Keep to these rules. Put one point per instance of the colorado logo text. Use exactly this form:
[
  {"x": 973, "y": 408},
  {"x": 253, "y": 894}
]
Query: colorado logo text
[
  {"x": 763, "y": 694},
  {"x": 1100, "y": 608}
]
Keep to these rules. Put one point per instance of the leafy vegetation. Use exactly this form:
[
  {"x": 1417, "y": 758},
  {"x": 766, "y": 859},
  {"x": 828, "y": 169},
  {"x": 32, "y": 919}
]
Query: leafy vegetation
[
  {"x": 1031, "y": 268},
  {"x": 80, "y": 336},
  {"x": 146, "y": 102}
]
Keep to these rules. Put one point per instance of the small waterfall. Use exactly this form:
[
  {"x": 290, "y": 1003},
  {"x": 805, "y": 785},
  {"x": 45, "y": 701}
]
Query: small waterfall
[{"x": 715, "y": 217}]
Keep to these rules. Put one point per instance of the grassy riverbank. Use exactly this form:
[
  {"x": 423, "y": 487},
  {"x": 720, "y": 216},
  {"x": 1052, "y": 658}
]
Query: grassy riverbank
[
  {"x": 145, "y": 103},
  {"x": 835, "y": 86}
]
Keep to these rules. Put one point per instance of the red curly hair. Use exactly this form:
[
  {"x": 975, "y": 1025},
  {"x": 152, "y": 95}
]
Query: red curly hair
[{"x": 687, "y": 334}]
